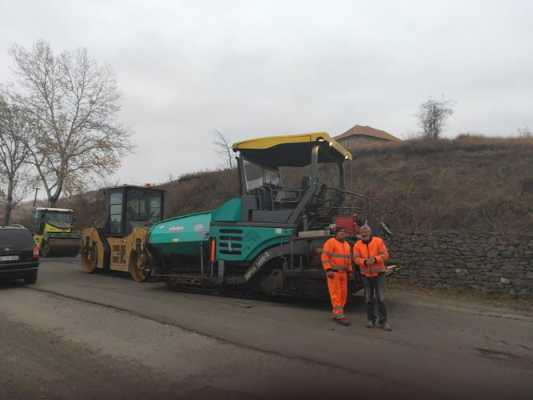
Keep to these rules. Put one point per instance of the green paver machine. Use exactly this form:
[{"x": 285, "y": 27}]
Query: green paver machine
[{"x": 270, "y": 237}]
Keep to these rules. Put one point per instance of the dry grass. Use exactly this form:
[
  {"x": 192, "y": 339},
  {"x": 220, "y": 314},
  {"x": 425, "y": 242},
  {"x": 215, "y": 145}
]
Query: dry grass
[
  {"x": 471, "y": 183},
  {"x": 200, "y": 191}
]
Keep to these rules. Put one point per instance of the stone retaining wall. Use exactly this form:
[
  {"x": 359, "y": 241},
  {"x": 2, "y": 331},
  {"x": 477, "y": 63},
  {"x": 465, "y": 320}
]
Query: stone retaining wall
[{"x": 487, "y": 262}]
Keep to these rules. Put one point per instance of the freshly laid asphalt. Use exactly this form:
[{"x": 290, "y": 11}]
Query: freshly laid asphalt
[{"x": 76, "y": 335}]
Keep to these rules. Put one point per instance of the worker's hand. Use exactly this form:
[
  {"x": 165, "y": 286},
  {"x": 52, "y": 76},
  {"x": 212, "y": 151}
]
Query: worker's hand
[
  {"x": 371, "y": 260},
  {"x": 330, "y": 274}
]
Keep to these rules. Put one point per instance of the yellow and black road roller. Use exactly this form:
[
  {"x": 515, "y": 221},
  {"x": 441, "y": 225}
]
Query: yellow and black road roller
[
  {"x": 53, "y": 232},
  {"x": 119, "y": 245}
]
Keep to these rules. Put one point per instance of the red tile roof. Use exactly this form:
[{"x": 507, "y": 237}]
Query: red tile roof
[{"x": 359, "y": 130}]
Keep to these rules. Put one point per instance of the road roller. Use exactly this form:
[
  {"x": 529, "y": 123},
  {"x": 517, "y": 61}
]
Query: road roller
[
  {"x": 53, "y": 232},
  {"x": 120, "y": 244}
]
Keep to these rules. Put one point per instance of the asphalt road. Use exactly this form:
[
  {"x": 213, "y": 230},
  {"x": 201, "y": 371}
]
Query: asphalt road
[{"x": 74, "y": 335}]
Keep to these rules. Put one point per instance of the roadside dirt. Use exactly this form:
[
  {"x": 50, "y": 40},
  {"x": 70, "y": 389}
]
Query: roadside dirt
[{"x": 464, "y": 298}]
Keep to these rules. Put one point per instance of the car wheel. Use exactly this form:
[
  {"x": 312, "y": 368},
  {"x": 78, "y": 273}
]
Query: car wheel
[{"x": 31, "y": 278}]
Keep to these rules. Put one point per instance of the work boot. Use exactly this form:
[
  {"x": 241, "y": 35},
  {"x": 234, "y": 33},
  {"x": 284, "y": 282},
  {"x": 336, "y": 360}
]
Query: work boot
[
  {"x": 370, "y": 324},
  {"x": 343, "y": 321},
  {"x": 385, "y": 326}
]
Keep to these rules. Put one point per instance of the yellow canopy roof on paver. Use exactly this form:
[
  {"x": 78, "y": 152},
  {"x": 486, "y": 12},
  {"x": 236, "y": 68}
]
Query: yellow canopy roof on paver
[{"x": 291, "y": 150}]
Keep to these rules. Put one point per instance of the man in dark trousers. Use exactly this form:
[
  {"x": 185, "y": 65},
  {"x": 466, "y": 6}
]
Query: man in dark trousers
[{"x": 370, "y": 254}]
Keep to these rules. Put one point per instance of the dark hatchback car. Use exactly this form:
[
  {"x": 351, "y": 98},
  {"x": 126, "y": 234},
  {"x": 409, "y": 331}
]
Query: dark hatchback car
[{"x": 19, "y": 257}]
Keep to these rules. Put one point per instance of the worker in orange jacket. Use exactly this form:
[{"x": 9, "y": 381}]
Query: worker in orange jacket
[
  {"x": 337, "y": 262},
  {"x": 370, "y": 254}
]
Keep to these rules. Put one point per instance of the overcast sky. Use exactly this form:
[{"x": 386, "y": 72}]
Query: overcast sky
[{"x": 251, "y": 68}]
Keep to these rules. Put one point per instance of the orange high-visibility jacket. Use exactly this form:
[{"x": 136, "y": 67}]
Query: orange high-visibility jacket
[
  {"x": 376, "y": 248},
  {"x": 336, "y": 255}
]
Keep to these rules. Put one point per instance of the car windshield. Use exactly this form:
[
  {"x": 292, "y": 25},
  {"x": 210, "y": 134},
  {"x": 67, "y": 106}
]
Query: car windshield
[
  {"x": 58, "y": 218},
  {"x": 257, "y": 176},
  {"x": 19, "y": 238}
]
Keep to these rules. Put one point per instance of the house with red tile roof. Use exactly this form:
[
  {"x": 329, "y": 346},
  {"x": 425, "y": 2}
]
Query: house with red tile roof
[{"x": 362, "y": 136}]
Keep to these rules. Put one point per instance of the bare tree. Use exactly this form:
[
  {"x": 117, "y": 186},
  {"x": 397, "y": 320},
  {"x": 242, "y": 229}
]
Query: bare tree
[
  {"x": 15, "y": 130},
  {"x": 223, "y": 148},
  {"x": 433, "y": 115},
  {"x": 73, "y": 103}
]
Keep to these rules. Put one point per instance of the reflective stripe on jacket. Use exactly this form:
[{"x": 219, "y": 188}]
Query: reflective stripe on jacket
[
  {"x": 336, "y": 255},
  {"x": 375, "y": 248}
]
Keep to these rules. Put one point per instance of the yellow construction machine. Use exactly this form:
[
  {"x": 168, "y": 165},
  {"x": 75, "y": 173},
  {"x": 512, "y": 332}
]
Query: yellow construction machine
[
  {"x": 53, "y": 232},
  {"x": 120, "y": 244}
]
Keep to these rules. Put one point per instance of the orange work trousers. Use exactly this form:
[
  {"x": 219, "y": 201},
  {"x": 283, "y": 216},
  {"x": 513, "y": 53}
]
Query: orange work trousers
[{"x": 338, "y": 292}]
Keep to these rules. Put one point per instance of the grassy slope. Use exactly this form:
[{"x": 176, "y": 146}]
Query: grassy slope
[{"x": 469, "y": 183}]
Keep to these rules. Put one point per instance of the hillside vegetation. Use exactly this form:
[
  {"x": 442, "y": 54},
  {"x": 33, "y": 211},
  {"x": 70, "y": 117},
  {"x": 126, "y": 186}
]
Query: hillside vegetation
[{"x": 470, "y": 183}]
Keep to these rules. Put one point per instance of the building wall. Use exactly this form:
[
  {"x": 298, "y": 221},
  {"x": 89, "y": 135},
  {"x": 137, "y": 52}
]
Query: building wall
[{"x": 486, "y": 262}]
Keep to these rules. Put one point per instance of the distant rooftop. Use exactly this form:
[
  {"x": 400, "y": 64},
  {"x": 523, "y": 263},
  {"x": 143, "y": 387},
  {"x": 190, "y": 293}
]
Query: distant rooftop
[{"x": 360, "y": 130}]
